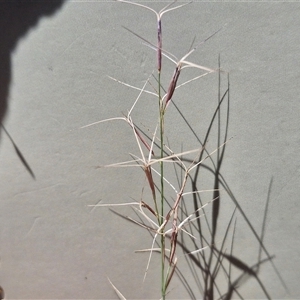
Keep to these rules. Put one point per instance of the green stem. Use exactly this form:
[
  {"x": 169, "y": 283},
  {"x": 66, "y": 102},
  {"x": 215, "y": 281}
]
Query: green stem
[{"x": 161, "y": 219}]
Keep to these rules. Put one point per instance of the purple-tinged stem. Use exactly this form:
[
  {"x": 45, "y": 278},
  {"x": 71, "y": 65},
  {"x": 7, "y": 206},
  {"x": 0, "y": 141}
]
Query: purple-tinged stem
[{"x": 159, "y": 45}]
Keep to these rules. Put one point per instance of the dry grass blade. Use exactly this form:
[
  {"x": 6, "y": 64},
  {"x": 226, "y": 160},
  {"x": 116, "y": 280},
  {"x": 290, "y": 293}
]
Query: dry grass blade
[
  {"x": 141, "y": 91},
  {"x": 150, "y": 256},
  {"x": 166, "y": 180},
  {"x": 165, "y": 10},
  {"x": 138, "y": 4},
  {"x": 202, "y": 42},
  {"x": 152, "y": 161},
  {"x": 120, "y": 204},
  {"x": 161, "y": 12},
  {"x": 123, "y": 164},
  {"x": 102, "y": 121},
  {"x": 128, "y": 120},
  {"x": 134, "y": 221},
  {"x": 151, "y": 249},
  {"x": 198, "y": 192},
  {"x": 197, "y": 251},
  {"x": 132, "y": 86},
  {"x": 193, "y": 79},
  {"x": 117, "y": 291},
  {"x": 151, "y": 222},
  {"x": 187, "y": 219}
]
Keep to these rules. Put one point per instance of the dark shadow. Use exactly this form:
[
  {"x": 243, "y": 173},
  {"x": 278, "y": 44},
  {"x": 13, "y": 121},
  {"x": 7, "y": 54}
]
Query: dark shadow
[
  {"x": 19, "y": 153},
  {"x": 16, "y": 18}
]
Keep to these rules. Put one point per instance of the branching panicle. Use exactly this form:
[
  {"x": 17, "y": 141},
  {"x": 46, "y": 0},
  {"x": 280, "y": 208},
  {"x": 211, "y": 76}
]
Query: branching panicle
[{"x": 168, "y": 219}]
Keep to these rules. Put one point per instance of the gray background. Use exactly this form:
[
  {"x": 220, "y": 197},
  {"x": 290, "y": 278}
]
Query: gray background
[{"x": 53, "y": 245}]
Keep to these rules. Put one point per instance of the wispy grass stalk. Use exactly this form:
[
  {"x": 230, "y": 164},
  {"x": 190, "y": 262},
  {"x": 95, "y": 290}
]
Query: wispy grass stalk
[{"x": 168, "y": 221}]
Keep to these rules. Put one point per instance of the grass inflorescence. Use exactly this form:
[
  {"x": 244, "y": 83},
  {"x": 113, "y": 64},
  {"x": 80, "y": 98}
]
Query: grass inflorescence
[{"x": 167, "y": 217}]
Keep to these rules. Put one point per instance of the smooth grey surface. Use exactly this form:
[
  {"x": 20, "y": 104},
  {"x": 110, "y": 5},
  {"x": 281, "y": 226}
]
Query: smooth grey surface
[{"x": 53, "y": 245}]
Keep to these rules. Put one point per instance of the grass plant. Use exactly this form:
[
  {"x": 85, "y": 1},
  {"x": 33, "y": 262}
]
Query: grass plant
[{"x": 216, "y": 270}]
